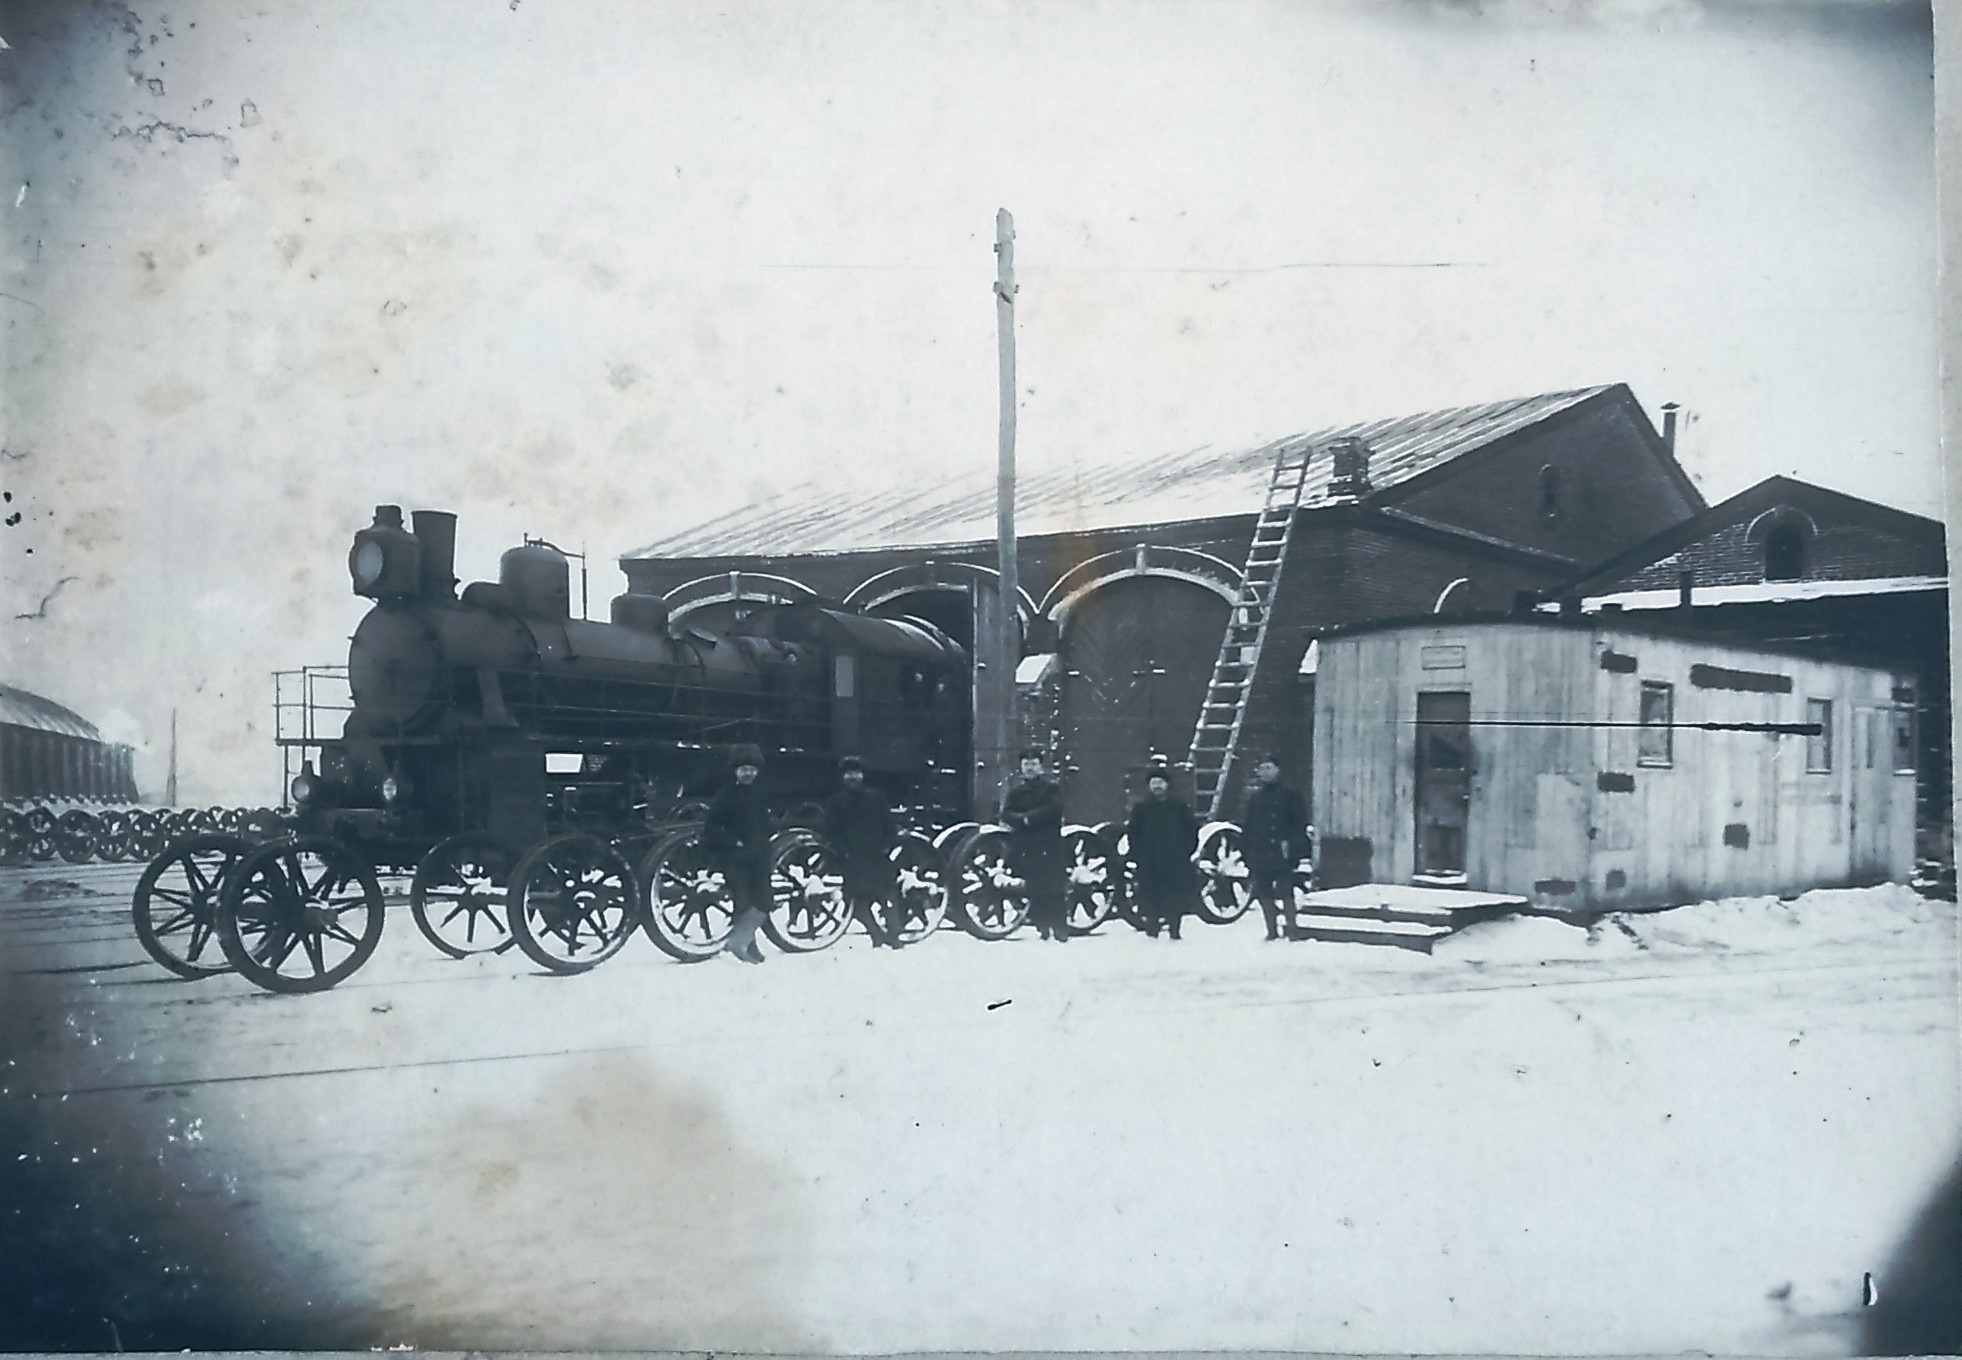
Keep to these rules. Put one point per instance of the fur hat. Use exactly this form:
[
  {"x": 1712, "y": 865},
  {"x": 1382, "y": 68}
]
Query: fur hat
[
  {"x": 1032, "y": 753},
  {"x": 851, "y": 763},
  {"x": 746, "y": 754}
]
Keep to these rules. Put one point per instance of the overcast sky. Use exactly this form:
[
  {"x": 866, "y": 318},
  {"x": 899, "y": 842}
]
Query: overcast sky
[{"x": 595, "y": 271}]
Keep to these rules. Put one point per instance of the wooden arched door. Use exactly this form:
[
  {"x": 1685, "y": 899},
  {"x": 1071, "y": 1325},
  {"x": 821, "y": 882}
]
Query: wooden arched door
[{"x": 1136, "y": 656}]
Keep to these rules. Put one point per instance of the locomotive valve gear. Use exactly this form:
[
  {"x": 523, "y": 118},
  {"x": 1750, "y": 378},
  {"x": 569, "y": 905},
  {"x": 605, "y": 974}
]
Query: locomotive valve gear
[
  {"x": 858, "y": 825},
  {"x": 1164, "y": 841},
  {"x": 1276, "y": 837},
  {"x": 1033, "y": 813}
]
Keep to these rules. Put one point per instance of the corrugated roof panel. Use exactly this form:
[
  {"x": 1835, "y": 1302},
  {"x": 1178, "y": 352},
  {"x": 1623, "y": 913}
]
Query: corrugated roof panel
[
  {"x": 1111, "y": 493},
  {"x": 18, "y": 708}
]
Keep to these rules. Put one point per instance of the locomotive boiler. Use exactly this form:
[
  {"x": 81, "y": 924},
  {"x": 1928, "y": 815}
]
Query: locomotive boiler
[{"x": 498, "y": 711}]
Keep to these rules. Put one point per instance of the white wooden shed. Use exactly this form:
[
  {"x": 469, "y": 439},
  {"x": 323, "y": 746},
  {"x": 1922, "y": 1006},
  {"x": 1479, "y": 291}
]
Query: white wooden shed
[{"x": 1592, "y": 764}]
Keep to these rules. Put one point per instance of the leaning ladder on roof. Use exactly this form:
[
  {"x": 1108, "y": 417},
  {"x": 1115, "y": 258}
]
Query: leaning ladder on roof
[{"x": 1216, "y": 737}]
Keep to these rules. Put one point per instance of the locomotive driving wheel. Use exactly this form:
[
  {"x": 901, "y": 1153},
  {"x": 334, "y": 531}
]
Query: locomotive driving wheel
[
  {"x": 1225, "y": 882},
  {"x": 808, "y": 911},
  {"x": 40, "y": 840},
  {"x": 572, "y": 903},
  {"x": 148, "y": 835},
  {"x": 115, "y": 838},
  {"x": 919, "y": 904},
  {"x": 1095, "y": 878},
  {"x": 300, "y": 915},
  {"x": 688, "y": 907},
  {"x": 457, "y": 896},
  {"x": 992, "y": 901},
  {"x": 175, "y": 906}
]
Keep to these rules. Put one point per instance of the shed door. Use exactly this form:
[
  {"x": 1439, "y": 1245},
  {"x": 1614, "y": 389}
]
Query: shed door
[
  {"x": 1136, "y": 655},
  {"x": 1444, "y": 769}
]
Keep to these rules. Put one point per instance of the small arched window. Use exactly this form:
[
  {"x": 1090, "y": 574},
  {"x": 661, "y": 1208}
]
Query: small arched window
[
  {"x": 1784, "y": 553},
  {"x": 1549, "y": 492}
]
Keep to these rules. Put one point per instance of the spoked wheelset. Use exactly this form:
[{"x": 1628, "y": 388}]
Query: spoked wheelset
[
  {"x": 300, "y": 915},
  {"x": 457, "y": 896},
  {"x": 1095, "y": 877},
  {"x": 807, "y": 888},
  {"x": 919, "y": 899},
  {"x": 688, "y": 908},
  {"x": 1225, "y": 881},
  {"x": 572, "y": 903},
  {"x": 175, "y": 906},
  {"x": 992, "y": 900}
]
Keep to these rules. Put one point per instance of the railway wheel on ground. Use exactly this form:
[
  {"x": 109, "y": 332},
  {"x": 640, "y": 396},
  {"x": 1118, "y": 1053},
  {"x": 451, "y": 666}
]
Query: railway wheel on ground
[
  {"x": 572, "y": 903},
  {"x": 114, "y": 838},
  {"x": 300, "y": 915},
  {"x": 40, "y": 840},
  {"x": 175, "y": 906},
  {"x": 262, "y": 824},
  {"x": 688, "y": 909},
  {"x": 1094, "y": 875},
  {"x": 75, "y": 832},
  {"x": 1127, "y": 875},
  {"x": 149, "y": 834},
  {"x": 990, "y": 901},
  {"x": 919, "y": 904},
  {"x": 14, "y": 837},
  {"x": 231, "y": 821},
  {"x": 457, "y": 896},
  {"x": 1225, "y": 882},
  {"x": 808, "y": 911}
]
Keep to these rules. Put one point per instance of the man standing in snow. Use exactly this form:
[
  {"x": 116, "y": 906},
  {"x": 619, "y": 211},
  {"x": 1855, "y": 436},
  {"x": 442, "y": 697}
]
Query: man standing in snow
[
  {"x": 1276, "y": 837},
  {"x": 1164, "y": 835},
  {"x": 1033, "y": 813},
  {"x": 737, "y": 833},
  {"x": 858, "y": 827}
]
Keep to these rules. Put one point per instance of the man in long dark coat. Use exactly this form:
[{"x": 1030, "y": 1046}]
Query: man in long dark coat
[
  {"x": 1276, "y": 836},
  {"x": 737, "y": 834},
  {"x": 1164, "y": 835},
  {"x": 858, "y": 826},
  {"x": 1033, "y": 814}
]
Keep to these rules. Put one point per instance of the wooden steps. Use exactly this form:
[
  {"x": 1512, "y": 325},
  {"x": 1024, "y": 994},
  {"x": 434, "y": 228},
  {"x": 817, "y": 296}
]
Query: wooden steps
[{"x": 1400, "y": 915}]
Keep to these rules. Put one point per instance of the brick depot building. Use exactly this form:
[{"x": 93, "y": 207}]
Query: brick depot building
[{"x": 1129, "y": 570}]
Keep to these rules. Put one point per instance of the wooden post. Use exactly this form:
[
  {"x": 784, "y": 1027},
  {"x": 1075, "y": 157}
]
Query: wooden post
[
  {"x": 1007, "y": 649},
  {"x": 170, "y": 784}
]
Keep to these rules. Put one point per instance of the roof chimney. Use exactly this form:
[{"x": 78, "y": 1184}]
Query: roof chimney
[
  {"x": 1686, "y": 588},
  {"x": 1669, "y": 409},
  {"x": 1349, "y": 479}
]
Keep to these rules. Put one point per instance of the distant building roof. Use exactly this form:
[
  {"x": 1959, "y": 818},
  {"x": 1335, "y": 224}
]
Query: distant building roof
[
  {"x": 1762, "y": 592},
  {"x": 18, "y": 708},
  {"x": 1168, "y": 488}
]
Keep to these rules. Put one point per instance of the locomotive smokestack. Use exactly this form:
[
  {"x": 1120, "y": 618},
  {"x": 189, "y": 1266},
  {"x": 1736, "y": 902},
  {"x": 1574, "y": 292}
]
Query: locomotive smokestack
[{"x": 435, "y": 530}]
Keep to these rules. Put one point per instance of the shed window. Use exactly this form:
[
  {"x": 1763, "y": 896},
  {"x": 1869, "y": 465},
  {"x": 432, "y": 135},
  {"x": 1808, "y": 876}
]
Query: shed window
[
  {"x": 1819, "y": 742},
  {"x": 1904, "y": 741},
  {"x": 844, "y": 676},
  {"x": 1657, "y": 746},
  {"x": 1549, "y": 492},
  {"x": 1784, "y": 553}
]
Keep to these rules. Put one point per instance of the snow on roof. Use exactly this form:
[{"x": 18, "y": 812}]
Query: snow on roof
[
  {"x": 18, "y": 708},
  {"x": 1761, "y": 592},
  {"x": 936, "y": 510}
]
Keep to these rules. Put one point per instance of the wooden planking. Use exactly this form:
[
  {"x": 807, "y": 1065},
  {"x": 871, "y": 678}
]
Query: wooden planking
[{"x": 1547, "y": 721}]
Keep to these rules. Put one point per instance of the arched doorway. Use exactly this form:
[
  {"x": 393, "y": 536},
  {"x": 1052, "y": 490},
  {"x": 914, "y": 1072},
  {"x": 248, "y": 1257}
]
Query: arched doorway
[{"x": 1137, "y": 653}]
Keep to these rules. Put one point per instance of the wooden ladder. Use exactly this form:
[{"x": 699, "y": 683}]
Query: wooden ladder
[{"x": 1216, "y": 737}]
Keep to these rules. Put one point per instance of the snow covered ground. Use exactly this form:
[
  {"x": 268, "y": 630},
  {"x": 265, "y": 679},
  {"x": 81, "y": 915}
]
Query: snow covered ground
[{"x": 1697, "y": 1129}]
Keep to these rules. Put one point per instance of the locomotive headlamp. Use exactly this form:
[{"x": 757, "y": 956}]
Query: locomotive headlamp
[
  {"x": 395, "y": 787},
  {"x": 305, "y": 784},
  {"x": 367, "y": 564}
]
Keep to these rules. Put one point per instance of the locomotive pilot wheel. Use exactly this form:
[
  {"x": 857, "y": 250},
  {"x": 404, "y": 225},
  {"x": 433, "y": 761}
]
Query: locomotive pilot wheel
[
  {"x": 919, "y": 903},
  {"x": 1095, "y": 878},
  {"x": 300, "y": 915},
  {"x": 572, "y": 903},
  {"x": 457, "y": 896},
  {"x": 1225, "y": 882},
  {"x": 808, "y": 911},
  {"x": 175, "y": 906},
  {"x": 688, "y": 910},
  {"x": 991, "y": 902}
]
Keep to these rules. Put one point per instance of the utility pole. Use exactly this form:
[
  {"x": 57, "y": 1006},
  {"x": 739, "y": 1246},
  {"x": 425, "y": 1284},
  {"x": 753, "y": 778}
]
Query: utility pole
[
  {"x": 170, "y": 785},
  {"x": 1007, "y": 647}
]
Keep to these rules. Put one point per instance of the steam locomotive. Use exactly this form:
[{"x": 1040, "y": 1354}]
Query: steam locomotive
[{"x": 543, "y": 777}]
